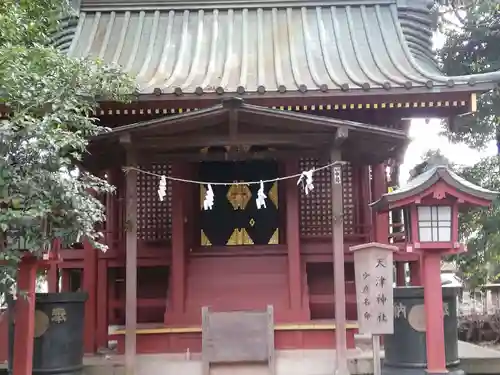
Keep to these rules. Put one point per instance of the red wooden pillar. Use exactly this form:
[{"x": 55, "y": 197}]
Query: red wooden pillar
[
  {"x": 112, "y": 296},
  {"x": 175, "y": 311},
  {"x": 191, "y": 207},
  {"x": 53, "y": 279},
  {"x": 102, "y": 319},
  {"x": 433, "y": 301},
  {"x": 24, "y": 333},
  {"x": 52, "y": 272},
  {"x": 113, "y": 209},
  {"x": 365, "y": 196},
  {"x": 111, "y": 238},
  {"x": 293, "y": 241},
  {"x": 400, "y": 274},
  {"x": 381, "y": 220},
  {"x": 64, "y": 280},
  {"x": 131, "y": 260},
  {"x": 90, "y": 286},
  {"x": 416, "y": 274}
]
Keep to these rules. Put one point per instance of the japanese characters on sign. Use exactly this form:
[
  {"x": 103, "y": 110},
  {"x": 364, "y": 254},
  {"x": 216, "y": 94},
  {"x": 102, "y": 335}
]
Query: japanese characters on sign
[
  {"x": 337, "y": 174},
  {"x": 401, "y": 312},
  {"x": 58, "y": 315},
  {"x": 374, "y": 282}
]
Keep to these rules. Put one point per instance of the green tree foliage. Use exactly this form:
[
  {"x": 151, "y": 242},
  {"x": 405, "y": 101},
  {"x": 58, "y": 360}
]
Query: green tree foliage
[
  {"x": 50, "y": 99},
  {"x": 480, "y": 228},
  {"x": 473, "y": 46}
]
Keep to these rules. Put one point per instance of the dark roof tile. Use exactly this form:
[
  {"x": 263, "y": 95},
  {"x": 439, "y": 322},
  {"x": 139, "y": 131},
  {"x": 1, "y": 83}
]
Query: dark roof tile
[{"x": 257, "y": 46}]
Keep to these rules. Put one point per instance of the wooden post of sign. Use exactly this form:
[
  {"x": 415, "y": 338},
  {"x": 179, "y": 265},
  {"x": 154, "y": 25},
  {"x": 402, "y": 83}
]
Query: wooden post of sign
[
  {"x": 338, "y": 266},
  {"x": 377, "y": 365},
  {"x": 373, "y": 265}
]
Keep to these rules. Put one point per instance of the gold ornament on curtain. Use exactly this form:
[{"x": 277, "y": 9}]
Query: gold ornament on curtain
[
  {"x": 239, "y": 196},
  {"x": 239, "y": 237},
  {"x": 275, "y": 238},
  {"x": 204, "y": 239},
  {"x": 273, "y": 194}
]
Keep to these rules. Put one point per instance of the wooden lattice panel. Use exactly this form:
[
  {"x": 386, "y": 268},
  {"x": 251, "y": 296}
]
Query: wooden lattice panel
[
  {"x": 154, "y": 221},
  {"x": 316, "y": 208}
]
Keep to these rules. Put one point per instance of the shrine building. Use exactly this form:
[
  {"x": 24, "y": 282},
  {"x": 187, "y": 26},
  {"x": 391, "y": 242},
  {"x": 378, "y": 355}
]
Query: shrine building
[{"x": 239, "y": 91}]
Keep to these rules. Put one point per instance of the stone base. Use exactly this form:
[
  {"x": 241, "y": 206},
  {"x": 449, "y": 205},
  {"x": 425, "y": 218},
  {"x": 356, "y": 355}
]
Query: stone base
[
  {"x": 388, "y": 370},
  {"x": 474, "y": 360},
  {"x": 452, "y": 372}
]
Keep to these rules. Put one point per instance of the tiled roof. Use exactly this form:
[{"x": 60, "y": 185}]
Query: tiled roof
[{"x": 249, "y": 46}]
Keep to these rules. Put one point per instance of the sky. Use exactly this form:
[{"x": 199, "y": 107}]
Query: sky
[{"x": 425, "y": 136}]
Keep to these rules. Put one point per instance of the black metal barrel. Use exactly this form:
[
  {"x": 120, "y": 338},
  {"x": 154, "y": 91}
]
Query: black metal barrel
[
  {"x": 58, "y": 344},
  {"x": 405, "y": 350}
]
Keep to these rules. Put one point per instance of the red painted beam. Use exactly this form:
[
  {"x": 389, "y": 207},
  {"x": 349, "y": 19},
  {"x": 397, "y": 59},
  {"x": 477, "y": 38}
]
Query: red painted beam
[
  {"x": 141, "y": 262},
  {"x": 72, "y": 254},
  {"x": 65, "y": 264},
  {"x": 141, "y": 302}
]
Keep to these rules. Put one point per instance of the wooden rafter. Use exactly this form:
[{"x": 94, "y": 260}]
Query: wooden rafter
[
  {"x": 245, "y": 113},
  {"x": 236, "y": 126},
  {"x": 175, "y": 124},
  {"x": 232, "y": 140}
]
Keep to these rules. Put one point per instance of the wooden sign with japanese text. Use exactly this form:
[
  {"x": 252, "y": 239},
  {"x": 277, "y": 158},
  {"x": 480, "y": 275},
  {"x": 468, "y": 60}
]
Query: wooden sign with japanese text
[{"x": 374, "y": 282}]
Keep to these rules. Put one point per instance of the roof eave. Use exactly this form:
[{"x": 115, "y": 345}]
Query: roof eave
[
  {"x": 477, "y": 192},
  {"x": 381, "y": 93},
  {"x": 388, "y": 200},
  {"x": 306, "y": 119},
  {"x": 148, "y": 124}
]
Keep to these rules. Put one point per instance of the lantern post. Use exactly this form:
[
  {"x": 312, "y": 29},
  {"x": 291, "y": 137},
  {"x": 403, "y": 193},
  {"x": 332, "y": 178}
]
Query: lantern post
[{"x": 432, "y": 201}]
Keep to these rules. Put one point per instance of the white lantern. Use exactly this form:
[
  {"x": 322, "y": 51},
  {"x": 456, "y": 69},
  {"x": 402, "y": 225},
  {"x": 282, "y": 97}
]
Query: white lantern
[{"x": 434, "y": 223}]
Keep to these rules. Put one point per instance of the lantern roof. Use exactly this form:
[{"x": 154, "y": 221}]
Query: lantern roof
[{"x": 422, "y": 185}]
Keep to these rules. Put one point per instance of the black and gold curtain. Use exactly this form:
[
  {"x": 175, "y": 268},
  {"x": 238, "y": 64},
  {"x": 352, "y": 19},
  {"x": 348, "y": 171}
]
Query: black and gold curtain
[{"x": 235, "y": 219}]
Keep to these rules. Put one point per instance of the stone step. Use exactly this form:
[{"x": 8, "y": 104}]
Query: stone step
[{"x": 363, "y": 341}]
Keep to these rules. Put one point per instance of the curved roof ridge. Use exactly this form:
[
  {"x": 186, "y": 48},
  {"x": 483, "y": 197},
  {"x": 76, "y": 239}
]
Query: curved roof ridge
[
  {"x": 417, "y": 24},
  {"x": 425, "y": 180}
]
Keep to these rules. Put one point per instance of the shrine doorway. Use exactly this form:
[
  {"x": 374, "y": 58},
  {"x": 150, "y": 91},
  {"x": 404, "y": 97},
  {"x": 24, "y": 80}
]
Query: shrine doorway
[{"x": 235, "y": 219}]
